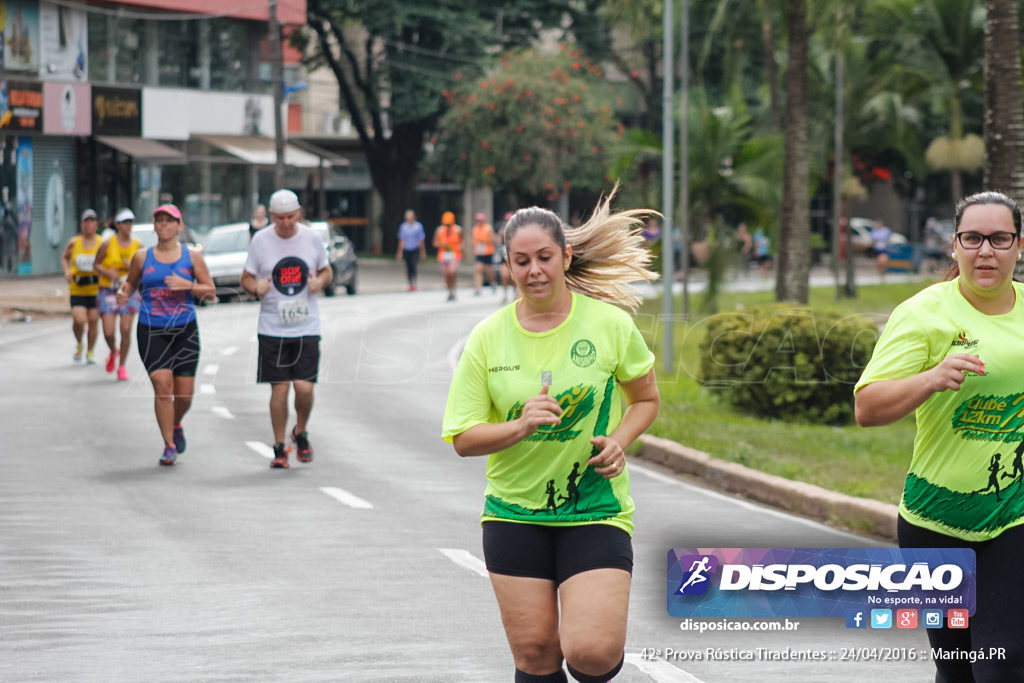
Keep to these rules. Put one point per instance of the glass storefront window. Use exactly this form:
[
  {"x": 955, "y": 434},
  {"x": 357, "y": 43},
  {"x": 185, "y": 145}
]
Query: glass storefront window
[{"x": 118, "y": 52}]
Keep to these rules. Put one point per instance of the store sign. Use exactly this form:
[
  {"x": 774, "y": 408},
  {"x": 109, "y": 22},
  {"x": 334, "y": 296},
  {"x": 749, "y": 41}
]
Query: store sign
[
  {"x": 63, "y": 43},
  {"x": 66, "y": 109},
  {"x": 116, "y": 111},
  {"x": 19, "y": 34},
  {"x": 21, "y": 105}
]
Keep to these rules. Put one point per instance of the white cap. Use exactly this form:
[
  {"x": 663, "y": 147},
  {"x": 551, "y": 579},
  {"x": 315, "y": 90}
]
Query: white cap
[
  {"x": 283, "y": 201},
  {"x": 124, "y": 215}
]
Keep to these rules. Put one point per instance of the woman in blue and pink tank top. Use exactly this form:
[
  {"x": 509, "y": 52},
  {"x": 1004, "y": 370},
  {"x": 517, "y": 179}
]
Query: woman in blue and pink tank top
[{"x": 170, "y": 277}]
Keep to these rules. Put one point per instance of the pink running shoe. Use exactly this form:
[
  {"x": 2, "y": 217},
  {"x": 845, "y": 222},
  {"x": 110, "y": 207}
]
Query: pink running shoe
[
  {"x": 122, "y": 374},
  {"x": 112, "y": 360}
]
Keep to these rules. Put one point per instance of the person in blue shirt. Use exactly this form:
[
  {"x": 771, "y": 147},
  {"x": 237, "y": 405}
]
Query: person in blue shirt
[
  {"x": 411, "y": 246},
  {"x": 171, "y": 276}
]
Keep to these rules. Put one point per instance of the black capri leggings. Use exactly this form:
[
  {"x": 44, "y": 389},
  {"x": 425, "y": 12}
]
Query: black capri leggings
[{"x": 999, "y": 619}]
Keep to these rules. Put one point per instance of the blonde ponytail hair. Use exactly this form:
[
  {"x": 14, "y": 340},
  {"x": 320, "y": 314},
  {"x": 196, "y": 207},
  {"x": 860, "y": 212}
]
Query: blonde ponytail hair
[{"x": 609, "y": 252}]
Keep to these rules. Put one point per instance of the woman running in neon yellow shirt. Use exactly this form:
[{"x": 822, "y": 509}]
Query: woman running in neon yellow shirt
[
  {"x": 952, "y": 355},
  {"x": 539, "y": 388}
]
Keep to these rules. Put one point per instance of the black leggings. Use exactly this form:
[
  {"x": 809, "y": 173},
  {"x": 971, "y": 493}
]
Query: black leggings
[
  {"x": 999, "y": 619},
  {"x": 412, "y": 259}
]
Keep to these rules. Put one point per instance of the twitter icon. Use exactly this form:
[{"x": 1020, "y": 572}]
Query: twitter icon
[{"x": 881, "y": 618}]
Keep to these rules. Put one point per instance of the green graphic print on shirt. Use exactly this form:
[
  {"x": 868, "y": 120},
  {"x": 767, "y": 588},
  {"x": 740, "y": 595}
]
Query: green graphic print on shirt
[
  {"x": 998, "y": 502},
  {"x": 586, "y": 495}
]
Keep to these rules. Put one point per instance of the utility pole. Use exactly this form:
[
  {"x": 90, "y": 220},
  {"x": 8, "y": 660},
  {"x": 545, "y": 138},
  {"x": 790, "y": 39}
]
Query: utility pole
[
  {"x": 277, "y": 86},
  {"x": 667, "y": 180}
]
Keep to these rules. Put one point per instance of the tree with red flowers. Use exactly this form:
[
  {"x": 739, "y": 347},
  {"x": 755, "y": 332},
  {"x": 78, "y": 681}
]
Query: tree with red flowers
[{"x": 536, "y": 127}]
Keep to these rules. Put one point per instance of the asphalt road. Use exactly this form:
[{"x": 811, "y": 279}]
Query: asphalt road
[{"x": 363, "y": 566}]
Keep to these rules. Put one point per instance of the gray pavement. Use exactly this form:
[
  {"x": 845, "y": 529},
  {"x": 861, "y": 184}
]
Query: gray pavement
[{"x": 46, "y": 296}]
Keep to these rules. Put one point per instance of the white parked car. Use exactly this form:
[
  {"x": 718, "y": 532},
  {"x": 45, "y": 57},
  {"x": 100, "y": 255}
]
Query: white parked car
[
  {"x": 225, "y": 249},
  {"x": 862, "y": 243}
]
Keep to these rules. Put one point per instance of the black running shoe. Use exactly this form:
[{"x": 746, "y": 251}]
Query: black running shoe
[
  {"x": 179, "y": 439},
  {"x": 280, "y": 461},
  {"x": 304, "y": 452}
]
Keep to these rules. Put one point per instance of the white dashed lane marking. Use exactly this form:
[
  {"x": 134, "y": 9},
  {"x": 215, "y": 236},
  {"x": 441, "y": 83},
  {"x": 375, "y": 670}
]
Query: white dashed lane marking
[
  {"x": 207, "y": 389},
  {"x": 659, "y": 670},
  {"x": 466, "y": 559},
  {"x": 343, "y": 496},
  {"x": 261, "y": 448},
  {"x": 211, "y": 369},
  {"x": 223, "y": 412}
]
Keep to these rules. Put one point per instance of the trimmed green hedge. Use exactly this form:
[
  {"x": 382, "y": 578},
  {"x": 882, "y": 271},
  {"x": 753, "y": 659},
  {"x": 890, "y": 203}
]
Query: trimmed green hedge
[{"x": 787, "y": 361}]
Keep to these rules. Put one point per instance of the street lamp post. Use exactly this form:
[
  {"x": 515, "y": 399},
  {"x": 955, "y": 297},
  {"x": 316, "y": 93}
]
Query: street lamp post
[{"x": 277, "y": 83}]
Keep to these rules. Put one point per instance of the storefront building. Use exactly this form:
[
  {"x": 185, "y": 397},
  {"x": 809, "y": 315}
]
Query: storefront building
[{"x": 134, "y": 104}]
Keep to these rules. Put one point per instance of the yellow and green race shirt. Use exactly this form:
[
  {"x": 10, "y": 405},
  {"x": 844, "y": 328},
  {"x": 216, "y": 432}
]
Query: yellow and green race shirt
[
  {"x": 544, "y": 479},
  {"x": 966, "y": 477}
]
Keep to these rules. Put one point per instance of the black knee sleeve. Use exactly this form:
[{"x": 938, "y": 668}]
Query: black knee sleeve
[
  {"x": 556, "y": 677},
  {"x": 585, "y": 678}
]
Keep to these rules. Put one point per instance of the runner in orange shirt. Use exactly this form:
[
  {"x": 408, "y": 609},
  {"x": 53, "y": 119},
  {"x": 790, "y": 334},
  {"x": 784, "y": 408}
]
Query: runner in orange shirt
[
  {"x": 448, "y": 241},
  {"x": 483, "y": 251}
]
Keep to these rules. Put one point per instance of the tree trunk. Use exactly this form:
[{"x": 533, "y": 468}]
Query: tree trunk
[
  {"x": 791, "y": 282},
  {"x": 1004, "y": 113}
]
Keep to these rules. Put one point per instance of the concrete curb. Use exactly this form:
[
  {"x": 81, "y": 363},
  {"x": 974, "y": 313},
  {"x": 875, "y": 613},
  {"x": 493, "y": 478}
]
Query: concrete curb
[{"x": 812, "y": 501}]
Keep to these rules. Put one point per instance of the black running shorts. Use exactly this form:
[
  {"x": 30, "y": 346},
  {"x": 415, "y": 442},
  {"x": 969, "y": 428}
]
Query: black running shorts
[
  {"x": 555, "y": 552},
  {"x": 83, "y": 301},
  {"x": 170, "y": 348},
  {"x": 286, "y": 359}
]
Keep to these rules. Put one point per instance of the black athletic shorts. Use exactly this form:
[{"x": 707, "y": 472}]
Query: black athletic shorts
[
  {"x": 83, "y": 301},
  {"x": 286, "y": 359},
  {"x": 170, "y": 348},
  {"x": 555, "y": 552}
]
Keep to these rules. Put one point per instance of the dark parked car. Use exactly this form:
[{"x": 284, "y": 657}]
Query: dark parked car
[{"x": 342, "y": 256}]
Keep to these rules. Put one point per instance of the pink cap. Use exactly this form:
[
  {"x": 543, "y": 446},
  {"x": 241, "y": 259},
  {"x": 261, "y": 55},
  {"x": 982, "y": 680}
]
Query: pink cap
[
  {"x": 170, "y": 209},
  {"x": 480, "y": 217}
]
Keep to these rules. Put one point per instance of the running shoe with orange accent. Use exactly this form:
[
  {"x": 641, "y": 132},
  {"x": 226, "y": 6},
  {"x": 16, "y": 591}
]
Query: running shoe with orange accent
[
  {"x": 122, "y": 374},
  {"x": 280, "y": 461},
  {"x": 169, "y": 456},
  {"x": 304, "y": 452},
  {"x": 89, "y": 360},
  {"x": 179, "y": 438},
  {"x": 78, "y": 353},
  {"x": 112, "y": 360}
]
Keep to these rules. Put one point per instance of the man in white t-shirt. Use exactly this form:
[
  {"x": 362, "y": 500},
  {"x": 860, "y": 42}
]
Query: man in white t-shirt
[{"x": 286, "y": 267}]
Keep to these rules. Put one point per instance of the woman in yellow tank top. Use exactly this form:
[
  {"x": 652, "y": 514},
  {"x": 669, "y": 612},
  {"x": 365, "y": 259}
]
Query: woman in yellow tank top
[
  {"x": 79, "y": 263},
  {"x": 112, "y": 261}
]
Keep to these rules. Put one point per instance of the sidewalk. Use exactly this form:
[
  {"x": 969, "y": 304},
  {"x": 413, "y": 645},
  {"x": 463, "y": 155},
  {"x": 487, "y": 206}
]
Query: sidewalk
[{"x": 48, "y": 294}]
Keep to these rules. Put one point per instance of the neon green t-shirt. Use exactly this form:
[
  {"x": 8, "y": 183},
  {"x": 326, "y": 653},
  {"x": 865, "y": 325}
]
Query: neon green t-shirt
[
  {"x": 544, "y": 479},
  {"x": 965, "y": 478}
]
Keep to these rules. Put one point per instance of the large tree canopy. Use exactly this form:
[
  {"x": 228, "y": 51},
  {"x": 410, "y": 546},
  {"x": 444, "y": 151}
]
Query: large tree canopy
[
  {"x": 393, "y": 60},
  {"x": 535, "y": 127}
]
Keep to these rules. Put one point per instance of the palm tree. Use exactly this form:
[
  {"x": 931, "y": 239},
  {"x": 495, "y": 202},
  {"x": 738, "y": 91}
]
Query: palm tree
[
  {"x": 944, "y": 47},
  {"x": 1004, "y": 115},
  {"x": 794, "y": 269}
]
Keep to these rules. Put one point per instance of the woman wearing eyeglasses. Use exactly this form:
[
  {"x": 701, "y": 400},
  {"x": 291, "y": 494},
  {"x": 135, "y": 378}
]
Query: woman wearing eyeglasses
[{"x": 953, "y": 355}]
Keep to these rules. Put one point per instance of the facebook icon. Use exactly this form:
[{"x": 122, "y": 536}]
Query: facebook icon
[{"x": 855, "y": 618}]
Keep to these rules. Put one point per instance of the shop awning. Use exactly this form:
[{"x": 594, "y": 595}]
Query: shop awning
[
  {"x": 145, "y": 150},
  {"x": 260, "y": 151}
]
